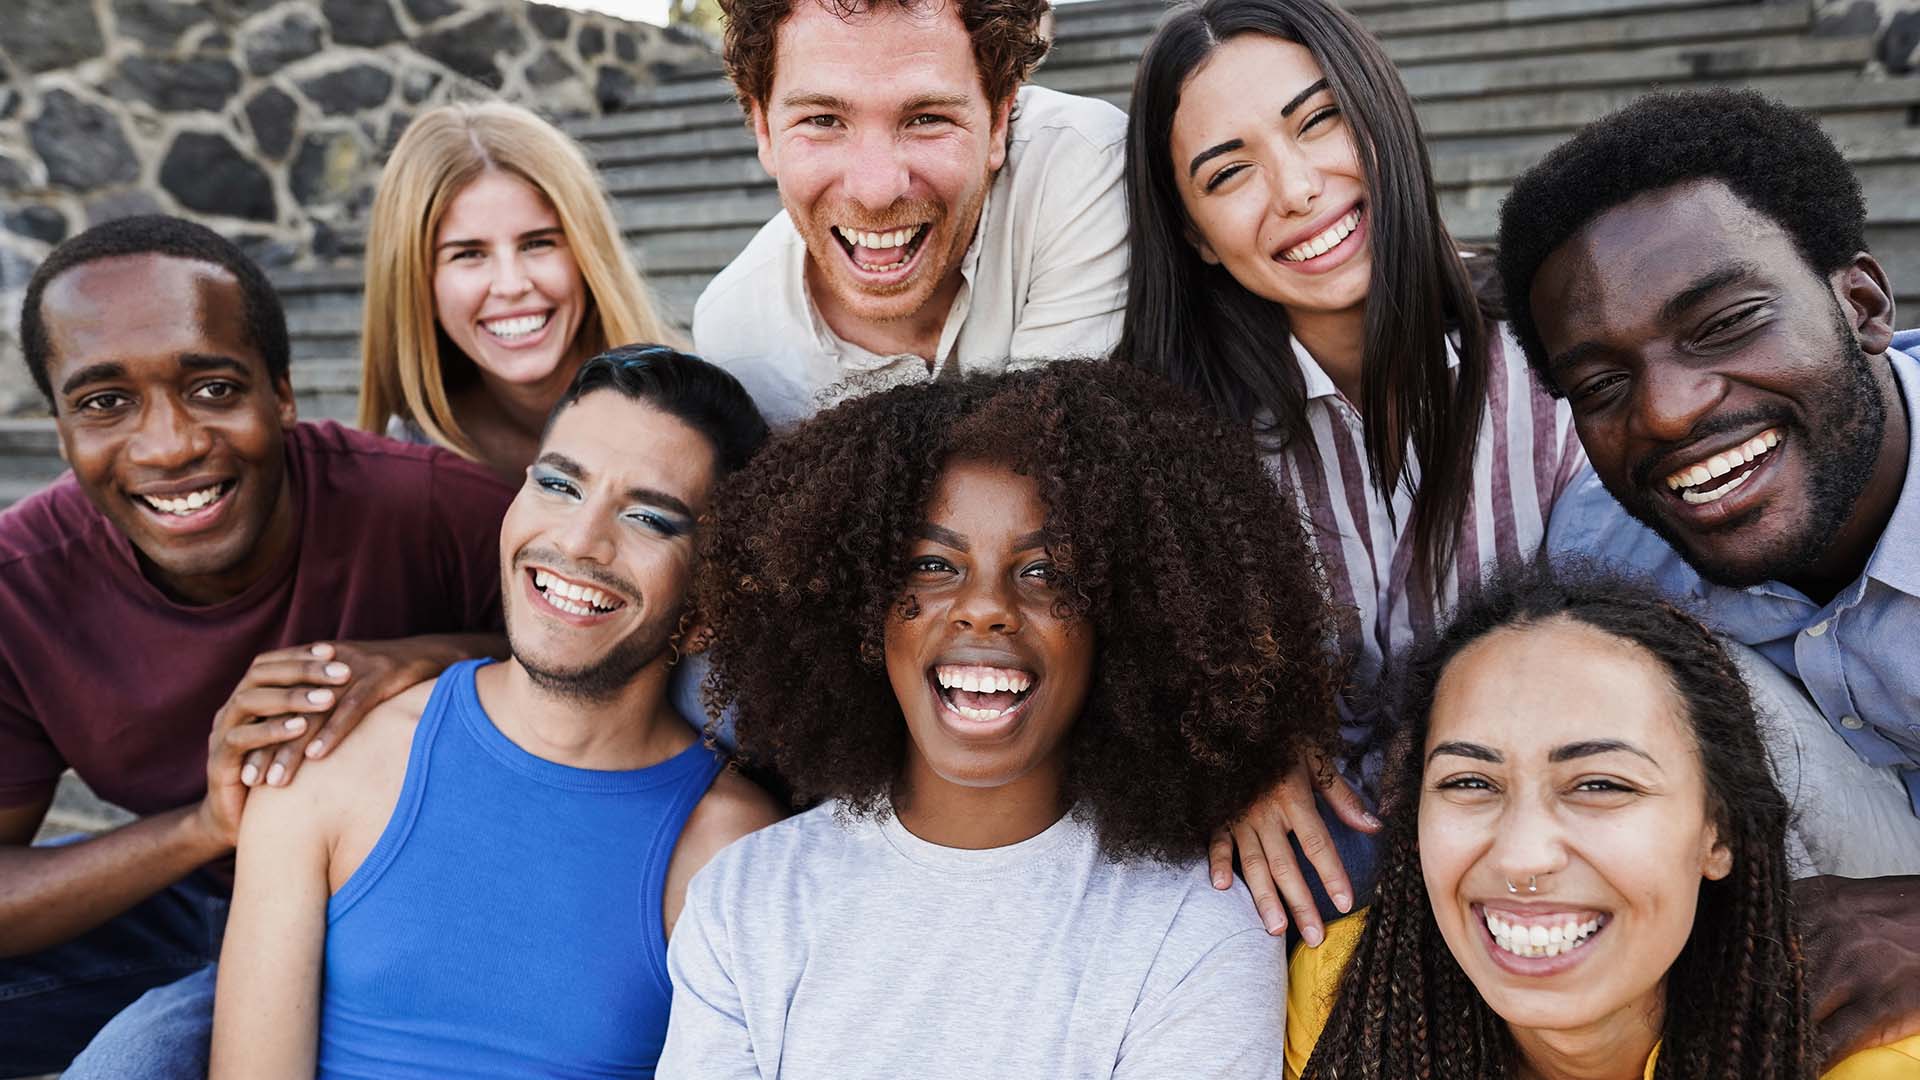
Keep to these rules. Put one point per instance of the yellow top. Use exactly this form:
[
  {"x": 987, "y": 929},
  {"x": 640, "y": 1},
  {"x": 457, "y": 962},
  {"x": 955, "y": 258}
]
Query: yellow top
[{"x": 1314, "y": 977}]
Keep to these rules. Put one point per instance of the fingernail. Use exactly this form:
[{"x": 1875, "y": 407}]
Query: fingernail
[
  {"x": 1312, "y": 935},
  {"x": 276, "y": 774},
  {"x": 1275, "y": 925},
  {"x": 1343, "y": 901},
  {"x": 337, "y": 670},
  {"x": 1373, "y": 821},
  {"x": 249, "y": 776},
  {"x": 296, "y": 724},
  {"x": 322, "y": 651},
  {"x": 1219, "y": 881},
  {"x": 315, "y": 748},
  {"x": 320, "y": 697}
]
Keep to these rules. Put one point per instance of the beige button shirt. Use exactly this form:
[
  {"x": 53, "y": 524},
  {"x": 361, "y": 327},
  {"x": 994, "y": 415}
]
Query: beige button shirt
[{"x": 1045, "y": 276}]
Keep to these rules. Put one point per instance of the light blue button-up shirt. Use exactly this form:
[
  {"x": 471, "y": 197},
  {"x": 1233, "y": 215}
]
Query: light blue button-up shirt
[{"x": 1858, "y": 655}]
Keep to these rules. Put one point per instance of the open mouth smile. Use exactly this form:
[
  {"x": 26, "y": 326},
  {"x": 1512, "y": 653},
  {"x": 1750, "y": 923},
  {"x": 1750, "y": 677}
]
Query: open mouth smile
[
  {"x": 888, "y": 253},
  {"x": 978, "y": 695},
  {"x": 1540, "y": 944},
  {"x": 1330, "y": 246},
  {"x": 187, "y": 509},
  {"x": 517, "y": 329},
  {"x": 1718, "y": 475},
  {"x": 578, "y": 599}
]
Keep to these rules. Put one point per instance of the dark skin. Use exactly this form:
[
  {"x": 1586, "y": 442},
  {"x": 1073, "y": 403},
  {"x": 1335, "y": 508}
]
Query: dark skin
[
  {"x": 160, "y": 394},
  {"x": 1680, "y": 323}
]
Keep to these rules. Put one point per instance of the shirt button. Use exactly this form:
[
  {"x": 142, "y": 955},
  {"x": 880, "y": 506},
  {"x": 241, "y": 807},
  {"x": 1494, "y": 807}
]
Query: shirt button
[
  {"x": 1817, "y": 629},
  {"x": 1852, "y": 723}
]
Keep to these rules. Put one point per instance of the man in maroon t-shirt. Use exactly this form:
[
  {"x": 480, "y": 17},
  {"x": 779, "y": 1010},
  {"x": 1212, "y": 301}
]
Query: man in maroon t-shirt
[{"x": 208, "y": 584}]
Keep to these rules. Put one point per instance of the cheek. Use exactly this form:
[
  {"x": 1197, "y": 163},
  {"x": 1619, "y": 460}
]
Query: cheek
[
  {"x": 560, "y": 279},
  {"x": 1449, "y": 844},
  {"x": 455, "y": 297}
]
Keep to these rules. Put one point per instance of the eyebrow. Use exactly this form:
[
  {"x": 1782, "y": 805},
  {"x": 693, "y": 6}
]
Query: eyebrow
[
  {"x": 937, "y": 101},
  {"x": 1466, "y": 750},
  {"x": 555, "y": 460},
  {"x": 536, "y": 234},
  {"x": 108, "y": 370},
  {"x": 1231, "y": 145},
  {"x": 1558, "y": 754},
  {"x": 1717, "y": 278},
  {"x": 816, "y": 101},
  {"x": 927, "y": 530}
]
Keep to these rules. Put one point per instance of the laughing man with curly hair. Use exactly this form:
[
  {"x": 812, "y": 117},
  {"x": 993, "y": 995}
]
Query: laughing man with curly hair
[{"x": 1033, "y": 636}]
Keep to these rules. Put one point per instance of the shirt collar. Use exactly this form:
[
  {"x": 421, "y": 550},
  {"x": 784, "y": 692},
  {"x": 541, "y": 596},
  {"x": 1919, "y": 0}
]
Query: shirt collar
[
  {"x": 1319, "y": 384},
  {"x": 1896, "y": 557}
]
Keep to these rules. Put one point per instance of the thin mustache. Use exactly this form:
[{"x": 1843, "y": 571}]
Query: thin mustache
[
  {"x": 1704, "y": 430},
  {"x": 565, "y": 568}
]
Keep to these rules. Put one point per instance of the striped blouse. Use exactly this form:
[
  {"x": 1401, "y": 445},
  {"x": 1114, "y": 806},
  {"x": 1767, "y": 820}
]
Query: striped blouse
[{"x": 1527, "y": 455}]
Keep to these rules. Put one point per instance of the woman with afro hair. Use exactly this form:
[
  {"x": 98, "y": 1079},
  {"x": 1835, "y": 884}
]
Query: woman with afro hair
[{"x": 1032, "y": 637}]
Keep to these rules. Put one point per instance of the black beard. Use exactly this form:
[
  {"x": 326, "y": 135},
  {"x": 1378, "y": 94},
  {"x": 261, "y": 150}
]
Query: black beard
[
  {"x": 1841, "y": 448},
  {"x": 599, "y": 682}
]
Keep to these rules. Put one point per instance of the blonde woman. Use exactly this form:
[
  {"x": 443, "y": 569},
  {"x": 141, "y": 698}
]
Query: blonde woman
[{"x": 494, "y": 269}]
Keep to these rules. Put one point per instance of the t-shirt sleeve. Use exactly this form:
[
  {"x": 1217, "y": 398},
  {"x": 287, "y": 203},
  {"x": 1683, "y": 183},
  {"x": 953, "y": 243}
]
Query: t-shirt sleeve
[
  {"x": 30, "y": 765},
  {"x": 1078, "y": 289},
  {"x": 467, "y": 506},
  {"x": 707, "y": 1030},
  {"x": 1225, "y": 1018},
  {"x": 1312, "y": 979}
]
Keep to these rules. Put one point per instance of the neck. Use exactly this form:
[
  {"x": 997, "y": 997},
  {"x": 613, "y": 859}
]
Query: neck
[
  {"x": 1616, "y": 1047},
  {"x": 633, "y": 729},
  {"x": 942, "y": 812},
  {"x": 1846, "y": 556},
  {"x": 917, "y": 334},
  {"x": 1337, "y": 340},
  {"x": 215, "y": 588}
]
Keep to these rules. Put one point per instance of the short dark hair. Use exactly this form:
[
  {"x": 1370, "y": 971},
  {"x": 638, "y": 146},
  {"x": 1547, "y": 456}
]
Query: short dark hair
[
  {"x": 711, "y": 401},
  {"x": 1775, "y": 158},
  {"x": 157, "y": 234},
  {"x": 1213, "y": 670}
]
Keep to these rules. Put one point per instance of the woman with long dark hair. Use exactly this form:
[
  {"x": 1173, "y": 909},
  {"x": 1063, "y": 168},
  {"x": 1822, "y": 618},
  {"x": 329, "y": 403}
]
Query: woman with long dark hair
[
  {"x": 1289, "y": 265},
  {"x": 1583, "y": 870}
]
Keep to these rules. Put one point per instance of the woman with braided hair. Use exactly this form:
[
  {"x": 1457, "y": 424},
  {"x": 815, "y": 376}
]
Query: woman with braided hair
[
  {"x": 1034, "y": 636},
  {"x": 1583, "y": 868}
]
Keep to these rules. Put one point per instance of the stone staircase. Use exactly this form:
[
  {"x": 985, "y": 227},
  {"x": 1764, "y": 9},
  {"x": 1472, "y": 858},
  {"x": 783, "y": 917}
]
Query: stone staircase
[{"x": 1497, "y": 82}]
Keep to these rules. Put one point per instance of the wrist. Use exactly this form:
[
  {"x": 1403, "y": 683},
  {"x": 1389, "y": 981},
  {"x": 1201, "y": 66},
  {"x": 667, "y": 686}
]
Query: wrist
[{"x": 201, "y": 833}]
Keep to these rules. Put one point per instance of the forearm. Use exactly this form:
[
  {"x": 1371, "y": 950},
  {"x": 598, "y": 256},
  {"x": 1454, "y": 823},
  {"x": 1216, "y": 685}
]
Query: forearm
[
  {"x": 444, "y": 650},
  {"x": 51, "y": 895}
]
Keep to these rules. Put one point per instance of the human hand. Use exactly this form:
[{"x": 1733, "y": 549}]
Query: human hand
[
  {"x": 237, "y": 732},
  {"x": 336, "y": 683},
  {"x": 1861, "y": 941},
  {"x": 1266, "y": 859}
]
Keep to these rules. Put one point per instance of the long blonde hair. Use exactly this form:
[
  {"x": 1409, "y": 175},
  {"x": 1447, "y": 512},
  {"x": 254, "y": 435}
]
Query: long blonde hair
[{"x": 406, "y": 358}]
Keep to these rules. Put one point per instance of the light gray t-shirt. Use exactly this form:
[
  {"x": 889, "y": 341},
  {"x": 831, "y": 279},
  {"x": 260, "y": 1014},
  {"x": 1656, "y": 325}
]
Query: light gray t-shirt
[{"x": 816, "y": 950}]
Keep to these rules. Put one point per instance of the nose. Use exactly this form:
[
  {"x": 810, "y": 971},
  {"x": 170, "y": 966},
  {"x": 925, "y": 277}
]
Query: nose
[
  {"x": 1530, "y": 844},
  {"x": 986, "y": 604},
  {"x": 509, "y": 276},
  {"x": 168, "y": 437},
  {"x": 1294, "y": 182},
  {"x": 877, "y": 175},
  {"x": 586, "y": 535},
  {"x": 1672, "y": 398}
]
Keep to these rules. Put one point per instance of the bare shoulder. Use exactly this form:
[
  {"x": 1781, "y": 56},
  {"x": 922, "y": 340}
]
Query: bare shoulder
[
  {"x": 733, "y": 807},
  {"x": 368, "y": 763}
]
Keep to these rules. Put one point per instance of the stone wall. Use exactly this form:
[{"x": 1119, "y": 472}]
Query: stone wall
[
  {"x": 1894, "y": 24},
  {"x": 266, "y": 119}
]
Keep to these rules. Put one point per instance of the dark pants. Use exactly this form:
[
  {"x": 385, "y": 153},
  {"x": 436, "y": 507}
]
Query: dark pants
[{"x": 53, "y": 1003}]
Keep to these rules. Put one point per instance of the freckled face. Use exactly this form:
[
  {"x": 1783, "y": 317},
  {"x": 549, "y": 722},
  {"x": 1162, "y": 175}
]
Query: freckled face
[
  {"x": 884, "y": 144},
  {"x": 990, "y": 677},
  {"x": 1560, "y": 756},
  {"x": 1270, "y": 178},
  {"x": 170, "y": 419},
  {"x": 506, "y": 289},
  {"x": 597, "y": 548}
]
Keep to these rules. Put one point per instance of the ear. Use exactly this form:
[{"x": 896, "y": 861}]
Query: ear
[
  {"x": 763, "y": 136},
  {"x": 1867, "y": 302},
  {"x": 289, "y": 413},
  {"x": 1718, "y": 862},
  {"x": 699, "y": 638},
  {"x": 1002, "y": 118},
  {"x": 1200, "y": 245}
]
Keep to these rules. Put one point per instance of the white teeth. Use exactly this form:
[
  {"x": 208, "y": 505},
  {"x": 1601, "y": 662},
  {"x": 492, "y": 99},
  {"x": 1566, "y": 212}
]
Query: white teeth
[
  {"x": 1696, "y": 498},
  {"x": 185, "y": 504},
  {"x": 1327, "y": 238},
  {"x": 1720, "y": 465},
  {"x": 518, "y": 326},
  {"x": 976, "y": 679},
  {"x": 585, "y": 599},
  {"x": 1539, "y": 941},
  {"x": 878, "y": 241}
]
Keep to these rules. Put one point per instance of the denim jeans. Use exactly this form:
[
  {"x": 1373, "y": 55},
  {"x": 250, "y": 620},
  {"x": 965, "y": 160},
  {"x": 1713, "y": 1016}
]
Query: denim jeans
[{"x": 135, "y": 994}]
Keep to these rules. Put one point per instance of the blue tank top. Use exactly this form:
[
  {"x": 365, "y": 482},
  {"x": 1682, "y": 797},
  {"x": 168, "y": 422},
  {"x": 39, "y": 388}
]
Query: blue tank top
[{"x": 507, "y": 923}]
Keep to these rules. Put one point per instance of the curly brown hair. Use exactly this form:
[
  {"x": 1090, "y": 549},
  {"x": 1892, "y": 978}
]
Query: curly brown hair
[
  {"x": 1214, "y": 669},
  {"x": 1737, "y": 1006},
  {"x": 1006, "y": 37}
]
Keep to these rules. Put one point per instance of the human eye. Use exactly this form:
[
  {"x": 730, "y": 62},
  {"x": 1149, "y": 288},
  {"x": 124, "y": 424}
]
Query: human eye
[
  {"x": 217, "y": 390},
  {"x": 1464, "y": 782},
  {"x": 104, "y": 402},
  {"x": 1043, "y": 572},
  {"x": 1320, "y": 116},
  {"x": 824, "y": 121},
  {"x": 1597, "y": 390},
  {"x": 553, "y": 482},
  {"x": 1604, "y": 785},
  {"x": 1222, "y": 176},
  {"x": 928, "y": 566},
  {"x": 927, "y": 119},
  {"x": 660, "y": 524},
  {"x": 1731, "y": 325}
]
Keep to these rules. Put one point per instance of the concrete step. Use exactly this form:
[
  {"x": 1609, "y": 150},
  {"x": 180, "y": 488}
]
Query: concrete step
[{"x": 77, "y": 810}]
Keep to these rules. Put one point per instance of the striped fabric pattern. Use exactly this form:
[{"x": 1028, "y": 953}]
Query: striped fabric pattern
[{"x": 1528, "y": 453}]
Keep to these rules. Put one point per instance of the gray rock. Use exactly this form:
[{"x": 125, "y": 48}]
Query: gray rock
[
  {"x": 470, "y": 47},
  {"x": 593, "y": 42},
  {"x": 427, "y": 11},
  {"x": 550, "y": 22},
  {"x": 14, "y": 175},
  {"x": 1900, "y": 48},
  {"x": 267, "y": 252},
  {"x": 327, "y": 169},
  {"x": 615, "y": 89},
  {"x": 82, "y": 144},
  {"x": 361, "y": 22},
  {"x": 42, "y": 223},
  {"x": 397, "y": 122},
  {"x": 548, "y": 68},
  {"x": 416, "y": 84},
  {"x": 197, "y": 85},
  {"x": 215, "y": 42},
  {"x": 1859, "y": 17},
  {"x": 46, "y": 34},
  {"x": 625, "y": 47},
  {"x": 128, "y": 202},
  {"x": 205, "y": 172},
  {"x": 15, "y": 270},
  {"x": 157, "y": 24},
  {"x": 271, "y": 47},
  {"x": 235, "y": 12},
  {"x": 9, "y": 102},
  {"x": 271, "y": 115},
  {"x": 349, "y": 90}
]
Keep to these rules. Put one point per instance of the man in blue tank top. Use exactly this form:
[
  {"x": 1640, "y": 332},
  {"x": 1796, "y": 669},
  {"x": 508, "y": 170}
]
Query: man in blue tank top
[{"x": 482, "y": 881}]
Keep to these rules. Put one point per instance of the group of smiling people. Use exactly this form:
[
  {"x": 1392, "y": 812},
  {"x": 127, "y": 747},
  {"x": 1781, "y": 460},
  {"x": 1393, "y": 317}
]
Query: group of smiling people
[{"x": 1201, "y": 620}]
